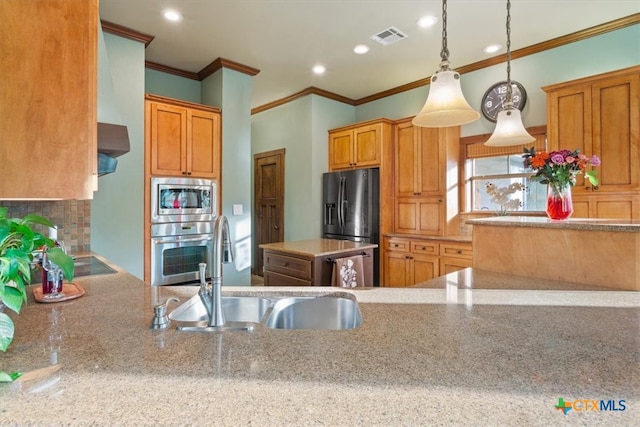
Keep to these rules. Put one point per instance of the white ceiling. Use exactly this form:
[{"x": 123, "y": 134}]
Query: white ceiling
[{"x": 284, "y": 39}]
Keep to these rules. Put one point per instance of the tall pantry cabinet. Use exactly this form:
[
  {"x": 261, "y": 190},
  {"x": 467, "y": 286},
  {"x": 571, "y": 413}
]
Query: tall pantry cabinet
[
  {"x": 182, "y": 139},
  {"x": 601, "y": 115}
]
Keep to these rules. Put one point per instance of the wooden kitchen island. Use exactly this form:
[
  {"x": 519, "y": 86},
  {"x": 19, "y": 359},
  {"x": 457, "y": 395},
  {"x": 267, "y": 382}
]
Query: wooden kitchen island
[
  {"x": 310, "y": 262},
  {"x": 592, "y": 252}
]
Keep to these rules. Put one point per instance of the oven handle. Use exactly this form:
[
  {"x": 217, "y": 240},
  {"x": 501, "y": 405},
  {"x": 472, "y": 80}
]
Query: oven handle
[{"x": 197, "y": 239}]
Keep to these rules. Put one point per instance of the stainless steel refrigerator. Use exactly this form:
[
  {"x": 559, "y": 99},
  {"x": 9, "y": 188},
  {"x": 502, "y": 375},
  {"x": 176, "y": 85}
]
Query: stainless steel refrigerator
[{"x": 351, "y": 206}]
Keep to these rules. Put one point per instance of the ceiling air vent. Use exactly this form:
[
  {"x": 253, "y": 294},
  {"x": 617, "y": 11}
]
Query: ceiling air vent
[{"x": 389, "y": 36}]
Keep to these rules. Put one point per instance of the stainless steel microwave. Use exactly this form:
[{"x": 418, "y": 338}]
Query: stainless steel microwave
[{"x": 176, "y": 199}]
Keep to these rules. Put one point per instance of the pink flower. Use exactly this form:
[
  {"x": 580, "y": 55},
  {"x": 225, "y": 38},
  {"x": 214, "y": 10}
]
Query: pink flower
[
  {"x": 594, "y": 160},
  {"x": 557, "y": 158},
  {"x": 570, "y": 159}
]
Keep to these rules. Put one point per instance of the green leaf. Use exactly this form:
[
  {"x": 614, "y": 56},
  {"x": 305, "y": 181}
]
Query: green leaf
[
  {"x": 7, "y": 378},
  {"x": 6, "y": 331},
  {"x": 62, "y": 260}
]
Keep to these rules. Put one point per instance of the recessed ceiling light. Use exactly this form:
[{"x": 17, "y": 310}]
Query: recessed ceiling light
[
  {"x": 427, "y": 21},
  {"x": 361, "y": 49},
  {"x": 492, "y": 48},
  {"x": 172, "y": 15},
  {"x": 319, "y": 69}
]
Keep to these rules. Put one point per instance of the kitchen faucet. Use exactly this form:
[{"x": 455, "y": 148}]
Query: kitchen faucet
[{"x": 212, "y": 296}]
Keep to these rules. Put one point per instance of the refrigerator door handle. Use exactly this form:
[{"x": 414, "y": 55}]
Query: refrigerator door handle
[{"x": 339, "y": 211}]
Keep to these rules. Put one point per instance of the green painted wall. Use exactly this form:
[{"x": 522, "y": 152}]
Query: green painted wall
[
  {"x": 300, "y": 127},
  {"x": 607, "y": 52},
  {"x": 117, "y": 208},
  {"x": 231, "y": 91},
  {"x": 172, "y": 86}
]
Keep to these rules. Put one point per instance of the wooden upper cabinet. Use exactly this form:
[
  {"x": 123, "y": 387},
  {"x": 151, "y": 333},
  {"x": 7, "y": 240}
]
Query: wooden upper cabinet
[
  {"x": 358, "y": 146},
  {"x": 418, "y": 161},
  {"x": 48, "y": 100},
  {"x": 600, "y": 115},
  {"x": 183, "y": 139}
]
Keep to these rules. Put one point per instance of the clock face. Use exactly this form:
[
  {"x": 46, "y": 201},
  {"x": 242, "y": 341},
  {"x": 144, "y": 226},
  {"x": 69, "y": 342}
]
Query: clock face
[{"x": 494, "y": 99}]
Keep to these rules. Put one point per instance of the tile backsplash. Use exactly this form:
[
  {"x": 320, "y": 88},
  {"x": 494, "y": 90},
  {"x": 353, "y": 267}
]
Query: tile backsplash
[{"x": 72, "y": 217}]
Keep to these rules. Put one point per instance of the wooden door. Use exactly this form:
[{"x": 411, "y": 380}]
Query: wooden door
[
  {"x": 431, "y": 161},
  {"x": 203, "y": 136},
  {"x": 405, "y": 160},
  {"x": 341, "y": 150},
  {"x": 268, "y": 203},
  {"x": 424, "y": 268},
  {"x": 168, "y": 134},
  {"x": 366, "y": 146},
  {"x": 616, "y": 132},
  {"x": 396, "y": 269}
]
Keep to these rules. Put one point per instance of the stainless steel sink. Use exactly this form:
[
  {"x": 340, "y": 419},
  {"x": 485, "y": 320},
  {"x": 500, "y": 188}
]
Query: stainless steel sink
[
  {"x": 235, "y": 309},
  {"x": 324, "y": 312}
]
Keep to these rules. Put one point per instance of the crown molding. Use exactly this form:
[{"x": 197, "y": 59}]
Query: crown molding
[{"x": 128, "y": 33}]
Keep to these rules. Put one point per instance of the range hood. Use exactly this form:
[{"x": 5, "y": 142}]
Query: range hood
[{"x": 113, "y": 137}]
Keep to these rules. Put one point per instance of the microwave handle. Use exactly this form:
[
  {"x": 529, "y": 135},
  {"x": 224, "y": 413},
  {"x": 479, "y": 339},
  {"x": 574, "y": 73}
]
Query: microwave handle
[{"x": 196, "y": 239}]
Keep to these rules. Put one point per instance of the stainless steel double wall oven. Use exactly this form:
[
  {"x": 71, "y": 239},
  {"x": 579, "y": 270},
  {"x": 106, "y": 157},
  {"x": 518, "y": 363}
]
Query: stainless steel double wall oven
[{"x": 182, "y": 215}]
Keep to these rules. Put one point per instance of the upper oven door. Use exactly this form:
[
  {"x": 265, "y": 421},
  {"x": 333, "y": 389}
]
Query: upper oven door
[{"x": 183, "y": 199}]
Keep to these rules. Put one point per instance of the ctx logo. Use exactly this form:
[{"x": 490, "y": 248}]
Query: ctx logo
[{"x": 585, "y": 405}]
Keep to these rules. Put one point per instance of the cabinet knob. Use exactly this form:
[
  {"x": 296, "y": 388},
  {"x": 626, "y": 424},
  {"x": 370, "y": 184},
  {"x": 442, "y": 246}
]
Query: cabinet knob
[
  {"x": 459, "y": 251},
  {"x": 285, "y": 264},
  {"x": 184, "y": 173},
  {"x": 424, "y": 248},
  {"x": 275, "y": 227},
  {"x": 396, "y": 245},
  {"x": 596, "y": 188}
]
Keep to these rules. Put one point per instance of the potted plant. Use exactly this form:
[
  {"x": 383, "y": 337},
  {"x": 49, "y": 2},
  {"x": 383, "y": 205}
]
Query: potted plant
[{"x": 18, "y": 242}]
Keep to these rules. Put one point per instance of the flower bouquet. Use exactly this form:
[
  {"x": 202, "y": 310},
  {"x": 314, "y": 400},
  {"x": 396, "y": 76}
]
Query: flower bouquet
[{"x": 559, "y": 169}]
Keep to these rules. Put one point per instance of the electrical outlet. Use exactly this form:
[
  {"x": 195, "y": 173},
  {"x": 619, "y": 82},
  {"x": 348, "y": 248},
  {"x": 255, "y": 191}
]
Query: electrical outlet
[{"x": 237, "y": 209}]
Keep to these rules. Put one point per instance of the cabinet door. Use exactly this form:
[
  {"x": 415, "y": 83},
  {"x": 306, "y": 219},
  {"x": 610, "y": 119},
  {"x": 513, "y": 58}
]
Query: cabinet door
[
  {"x": 607, "y": 206},
  {"x": 616, "y": 132},
  {"x": 396, "y": 269},
  {"x": 430, "y": 163},
  {"x": 405, "y": 160},
  {"x": 48, "y": 69},
  {"x": 424, "y": 268},
  {"x": 449, "y": 265},
  {"x": 168, "y": 128},
  {"x": 366, "y": 146},
  {"x": 419, "y": 216},
  {"x": 203, "y": 153},
  {"x": 569, "y": 122},
  {"x": 341, "y": 150}
]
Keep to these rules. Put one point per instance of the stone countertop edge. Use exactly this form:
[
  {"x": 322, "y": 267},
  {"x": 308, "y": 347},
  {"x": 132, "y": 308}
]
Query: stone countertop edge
[
  {"x": 632, "y": 226},
  {"x": 447, "y": 355},
  {"x": 317, "y": 247}
]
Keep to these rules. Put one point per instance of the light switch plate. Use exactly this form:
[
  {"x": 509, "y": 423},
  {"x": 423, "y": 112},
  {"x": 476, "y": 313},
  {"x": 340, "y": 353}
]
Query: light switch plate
[{"x": 237, "y": 209}]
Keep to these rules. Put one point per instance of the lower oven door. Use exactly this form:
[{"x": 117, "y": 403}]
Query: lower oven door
[{"x": 175, "y": 259}]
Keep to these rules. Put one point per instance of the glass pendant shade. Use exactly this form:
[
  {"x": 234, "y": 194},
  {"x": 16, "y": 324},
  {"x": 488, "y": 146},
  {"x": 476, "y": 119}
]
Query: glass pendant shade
[
  {"x": 446, "y": 105},
  {"x": 509, "y": 130}
]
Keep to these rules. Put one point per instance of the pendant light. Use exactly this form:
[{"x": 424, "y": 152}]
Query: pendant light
[
  {"x": 509, "y": 128},
  {"x": 445, "y": 104}
]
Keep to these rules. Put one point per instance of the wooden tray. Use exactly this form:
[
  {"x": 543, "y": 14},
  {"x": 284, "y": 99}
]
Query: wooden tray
[{"x": 69, "y": 291}]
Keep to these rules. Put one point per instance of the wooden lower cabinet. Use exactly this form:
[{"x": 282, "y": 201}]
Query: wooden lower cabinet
[
  {"x": 409, "y": 261},
  {"x": 611, "y": 206},
  {"x": 282, "y": 268}
]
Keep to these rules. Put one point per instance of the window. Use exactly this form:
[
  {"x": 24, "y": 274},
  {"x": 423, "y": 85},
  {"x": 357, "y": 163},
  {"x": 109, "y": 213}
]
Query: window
[{"x": 496, "y": 180}]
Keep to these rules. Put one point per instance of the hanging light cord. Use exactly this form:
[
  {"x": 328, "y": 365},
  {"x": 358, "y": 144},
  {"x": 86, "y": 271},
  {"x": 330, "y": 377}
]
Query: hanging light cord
[
  {"x": 444, "y": 53},
  {"x": 508, "y": 100}
]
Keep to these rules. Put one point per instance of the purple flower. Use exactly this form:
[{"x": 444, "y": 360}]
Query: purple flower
[
  {"x": 594, "y": 160},
  {"x": 557, "y": 158}
]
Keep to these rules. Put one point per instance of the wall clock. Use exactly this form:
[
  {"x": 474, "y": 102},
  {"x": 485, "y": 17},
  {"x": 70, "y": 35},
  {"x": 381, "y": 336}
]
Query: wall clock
[{"x": 494, "y": 98}]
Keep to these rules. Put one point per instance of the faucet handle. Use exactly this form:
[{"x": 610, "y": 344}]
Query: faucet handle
[{"x": 202, "y": 267}]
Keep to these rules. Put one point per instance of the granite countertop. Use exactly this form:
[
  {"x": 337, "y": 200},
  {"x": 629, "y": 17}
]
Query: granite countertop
[
  {"x": 445, "y": 355},
  {"x": 568, "y": 224},
  {"x": 317, "y": 247}
]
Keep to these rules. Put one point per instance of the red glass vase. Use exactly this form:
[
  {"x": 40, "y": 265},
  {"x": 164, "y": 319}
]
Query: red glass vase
[{"x": 559, "y": 202}]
